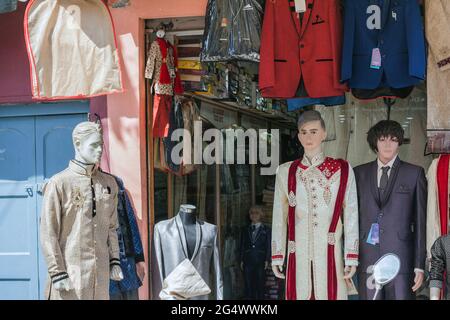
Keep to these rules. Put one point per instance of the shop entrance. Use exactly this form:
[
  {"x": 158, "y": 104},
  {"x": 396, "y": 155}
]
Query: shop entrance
[{"x": 35, "y": 143}]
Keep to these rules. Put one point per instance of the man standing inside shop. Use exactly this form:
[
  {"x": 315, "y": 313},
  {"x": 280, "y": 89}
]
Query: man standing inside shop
[{"x": 392, "y": 197}]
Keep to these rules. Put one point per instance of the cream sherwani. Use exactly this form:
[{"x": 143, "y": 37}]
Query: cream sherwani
[
  {"x": 317, "y": 189},
  {"x": 79, "y": 232}
]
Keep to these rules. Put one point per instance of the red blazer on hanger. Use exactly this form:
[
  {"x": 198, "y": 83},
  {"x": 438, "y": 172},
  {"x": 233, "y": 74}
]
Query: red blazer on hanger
[{"x": 312, "y": 50}]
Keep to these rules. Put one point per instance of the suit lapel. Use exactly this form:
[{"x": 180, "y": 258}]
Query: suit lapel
[
  {"x": 374, "y": 182},
  {"x": 294, "y": 17},
  {"x": 391, "y": 182},
  {"x": 182, "y": 235},
  {"x": 198, "y": 240},
  {"x": 307, "y": 16}
]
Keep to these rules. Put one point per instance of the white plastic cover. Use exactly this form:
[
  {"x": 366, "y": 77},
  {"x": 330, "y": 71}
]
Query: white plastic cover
[{"x": 72, "y": 49}]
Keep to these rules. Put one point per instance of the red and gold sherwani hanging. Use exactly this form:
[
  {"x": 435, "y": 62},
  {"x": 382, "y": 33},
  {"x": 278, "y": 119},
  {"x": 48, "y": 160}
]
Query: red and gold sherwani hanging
[{"x": 315, "y": 209}]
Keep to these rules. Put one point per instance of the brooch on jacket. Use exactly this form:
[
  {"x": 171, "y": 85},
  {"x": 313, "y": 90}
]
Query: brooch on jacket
[{"x": 77, "y": 197}]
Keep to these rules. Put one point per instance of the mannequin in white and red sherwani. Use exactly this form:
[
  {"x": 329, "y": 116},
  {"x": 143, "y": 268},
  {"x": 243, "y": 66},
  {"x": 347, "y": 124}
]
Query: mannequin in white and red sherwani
[
  {"x": 315, "y": 208},
  {"x": 438, "y": 205}
]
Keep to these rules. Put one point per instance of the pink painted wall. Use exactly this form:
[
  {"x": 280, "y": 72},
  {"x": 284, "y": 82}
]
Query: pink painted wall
[
  {"x": 126, "y": 122},
  {"x": 14, "y": 68}
]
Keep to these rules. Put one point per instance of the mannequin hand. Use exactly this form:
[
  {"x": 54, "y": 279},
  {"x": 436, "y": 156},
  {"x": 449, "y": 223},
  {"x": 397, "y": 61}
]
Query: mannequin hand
[
  {"x": 65, "y": 284},
  {"x": 435, "y": 294},
  {"x": 116, "y": 273},
  {"x": 242, "y": 266},
  {"x": 140, "y": 270},
  {"x": 418, "y": 280},
  {"x": 277, "y": 270},
  {"x": 349, "y": 272}
]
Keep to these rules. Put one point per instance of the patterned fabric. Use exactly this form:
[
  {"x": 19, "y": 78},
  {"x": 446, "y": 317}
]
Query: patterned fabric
[
  {"x": 440, "y": 263},
  {"x": 75, "y": 243},
  {"x": 131, "y": 251},
  {"x": 156, "y": 63},
  {"x": 437, "y": 13},
  {"x": 317, "y": 188},
  {"x": 153, "y": 70}
]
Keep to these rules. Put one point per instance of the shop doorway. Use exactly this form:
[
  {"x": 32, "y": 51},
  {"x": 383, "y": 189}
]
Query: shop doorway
[{"x": 35, "y": 143}]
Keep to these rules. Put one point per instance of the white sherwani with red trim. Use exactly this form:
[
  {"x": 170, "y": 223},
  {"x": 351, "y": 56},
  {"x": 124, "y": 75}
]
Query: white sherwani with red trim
[{"x": 317, "y": 188}]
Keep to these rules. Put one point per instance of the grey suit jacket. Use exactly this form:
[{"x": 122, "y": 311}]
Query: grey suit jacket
[
  {"x": 171, "y": 250},
  {"x": 401, "y": 214}
]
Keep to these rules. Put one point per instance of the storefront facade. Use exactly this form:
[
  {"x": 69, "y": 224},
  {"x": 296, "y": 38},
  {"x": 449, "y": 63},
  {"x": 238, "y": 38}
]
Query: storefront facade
[{"x": 224, "y": 193}]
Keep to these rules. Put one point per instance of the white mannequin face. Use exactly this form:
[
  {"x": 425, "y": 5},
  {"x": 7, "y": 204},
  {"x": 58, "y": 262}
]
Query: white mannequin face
[
  {"x": 160, "y": 33},
  {"x": 89, "y": 150}
]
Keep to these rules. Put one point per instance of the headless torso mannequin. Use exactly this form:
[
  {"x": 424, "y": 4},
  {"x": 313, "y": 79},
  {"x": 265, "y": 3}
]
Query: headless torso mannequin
[
  {"x": 188, "y": 217},
  {"x": 88, "y": 153}
]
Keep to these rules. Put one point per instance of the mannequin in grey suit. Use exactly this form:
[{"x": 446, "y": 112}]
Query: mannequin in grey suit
[
  {"x": 186, "y": 237},
  {"x": 392, "y": 198}
]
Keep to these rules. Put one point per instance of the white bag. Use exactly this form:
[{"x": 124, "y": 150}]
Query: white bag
[{"x": 184, "y": 282}]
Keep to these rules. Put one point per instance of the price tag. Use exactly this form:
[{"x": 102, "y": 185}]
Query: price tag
[{"x": 375, "y": 63}]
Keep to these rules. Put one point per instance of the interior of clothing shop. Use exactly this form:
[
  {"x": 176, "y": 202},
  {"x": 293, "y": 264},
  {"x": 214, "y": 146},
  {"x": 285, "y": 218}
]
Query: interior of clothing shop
[{"x": 224, "y": 93}]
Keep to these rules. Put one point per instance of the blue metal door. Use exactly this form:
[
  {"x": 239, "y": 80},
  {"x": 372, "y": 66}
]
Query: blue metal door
[
  {"x": 35, "y": 143},
  {"x": 18, "y": 227}
]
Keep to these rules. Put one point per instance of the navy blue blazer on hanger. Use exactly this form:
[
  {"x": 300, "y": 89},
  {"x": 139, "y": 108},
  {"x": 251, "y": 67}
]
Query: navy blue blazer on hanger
[{"x": 393, "y": 26}]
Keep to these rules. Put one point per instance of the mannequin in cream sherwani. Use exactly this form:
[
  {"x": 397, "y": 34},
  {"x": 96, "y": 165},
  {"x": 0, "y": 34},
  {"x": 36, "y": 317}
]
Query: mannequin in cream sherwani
[
  {"x": 315, "y": 199},
  {"x": 79, "y": 224}
]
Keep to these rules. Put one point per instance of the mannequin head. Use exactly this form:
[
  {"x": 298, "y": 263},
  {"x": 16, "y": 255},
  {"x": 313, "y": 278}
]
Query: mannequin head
[
  {"x": 163, "y": 28},
  {"x": 88, "y": 142},
  {"x": 311, "y": 132},
  {"x": 255, "y": 214},
  {"x": 385, "y": 138}
]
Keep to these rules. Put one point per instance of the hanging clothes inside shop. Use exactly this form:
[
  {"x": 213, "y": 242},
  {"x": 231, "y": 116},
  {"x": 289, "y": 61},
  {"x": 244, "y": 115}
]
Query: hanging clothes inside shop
[
  {"x": 437, "y": 24},
  {"x": 301, "y": 52},
  {"x": 161, "y": 69},
  {"x": 72, "y": 49},
  {"x": 352, "y": 120},
  {"x": 232, "y": 30},
  {"x": 182, "y": 116},
  {"x": 438, "y": 214},
  {"x": 384, "y": 47},
  {"x": 8, "y": 6}
]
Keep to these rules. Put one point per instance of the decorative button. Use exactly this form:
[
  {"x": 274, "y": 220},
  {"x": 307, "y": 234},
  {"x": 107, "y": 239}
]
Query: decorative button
[
  {"x": 302, "y": 45},
  {"x": 95, "y": 225},
  {"x": 303, "y": 62}
]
